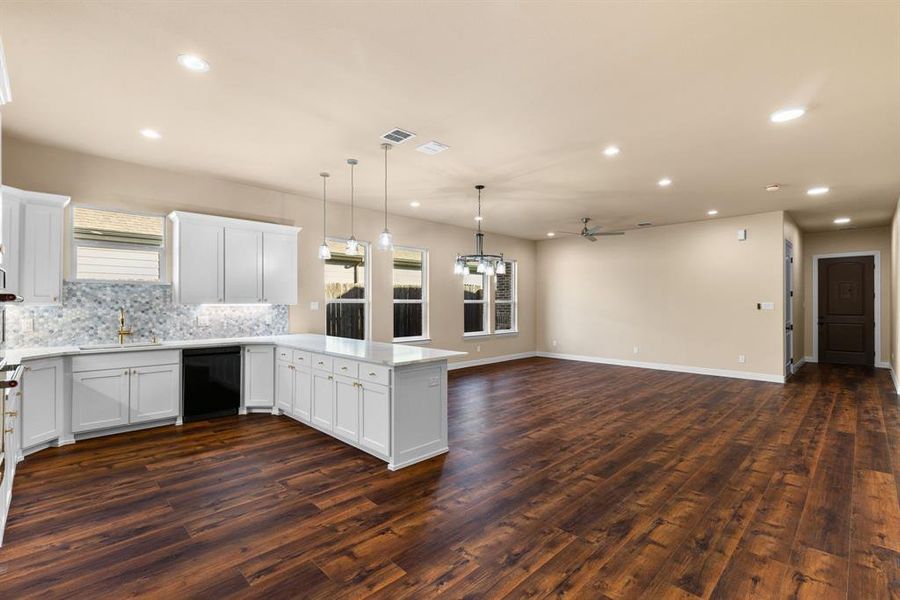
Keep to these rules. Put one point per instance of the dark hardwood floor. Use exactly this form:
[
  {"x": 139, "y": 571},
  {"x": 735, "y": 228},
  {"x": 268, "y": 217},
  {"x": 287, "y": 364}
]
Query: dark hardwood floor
[{"x": 564, "y": 479}]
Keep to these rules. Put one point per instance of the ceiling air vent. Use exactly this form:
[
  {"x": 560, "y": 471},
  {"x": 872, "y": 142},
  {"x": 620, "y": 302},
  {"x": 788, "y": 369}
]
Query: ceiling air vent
[
  {"x": 645, "y": 224},
  {"x": 397, "y": 136},
  {"x": 431, "y": 148}
]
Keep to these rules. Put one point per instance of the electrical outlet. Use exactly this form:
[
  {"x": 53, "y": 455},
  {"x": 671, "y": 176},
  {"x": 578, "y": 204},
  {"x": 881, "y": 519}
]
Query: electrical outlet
[
  {"x": 313, "y": 306},
  {"x": 434, "y": 382},
  {"x": 553, "y": 343},
  {"x": 742, "y": 359},
  {"x": 478, "y": 348},
  {"x": 637, "y": 349},
  {"x": 27, "y": 324}
]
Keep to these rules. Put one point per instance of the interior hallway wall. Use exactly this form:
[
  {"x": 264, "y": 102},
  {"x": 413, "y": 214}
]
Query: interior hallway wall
[
  {"x": 682, "y": 295},
  {"x": 792, "y": 234},
  {"x": 847, "y": 241}
]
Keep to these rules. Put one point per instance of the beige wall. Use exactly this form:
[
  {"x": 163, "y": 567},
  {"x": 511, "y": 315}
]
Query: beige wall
[
  {"x": 844, "y": 241},
  {"x": 895, "y": 291},
  {"x": 684, "y": 294},
  {"x": 102, "y": 182},
  {"x": 792, "y": 234}
]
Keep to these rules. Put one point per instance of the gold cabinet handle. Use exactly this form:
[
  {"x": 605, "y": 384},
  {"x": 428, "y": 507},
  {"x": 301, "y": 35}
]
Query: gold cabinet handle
[
  {"x": 10, "y": 430},
  {"x": 12, "y": 413},
  {"x": 343, "y": 368},
  {"x": 371, "y": 373},
  {"x": 126, "y": 371},
  {"x": 330, "y": 378}
]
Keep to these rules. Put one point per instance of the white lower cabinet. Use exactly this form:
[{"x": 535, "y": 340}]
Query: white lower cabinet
[
  {"x": 346, "y": 408},
  {"x": 259, "y": 376},
  {"x": 42, "y": 393},
  {"x": 322, "y": 414},
  {"x": 284, "y": 386},
  {"x": 347, "y": 398},
  {"x": 302, "y": 394},
  {"x": 375, "y": 418},
  {"x": 144, "y": 387},
  {"x": 99, "y": 399},
  {"x": 154, "y": 393}
]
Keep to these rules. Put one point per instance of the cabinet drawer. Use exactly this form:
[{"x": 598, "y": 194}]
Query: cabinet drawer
[
  {"x": 125, "y": 359},
  {"x": 284, "y": 354},
  {"x": 375, "y": 373},
  {"x": 322, "y": 362},
  {"x": 347, "y": 368},
  {"x": 302, "y": 359}
]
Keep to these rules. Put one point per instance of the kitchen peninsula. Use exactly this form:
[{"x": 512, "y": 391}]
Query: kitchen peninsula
[{"x": 389, "y": 400}]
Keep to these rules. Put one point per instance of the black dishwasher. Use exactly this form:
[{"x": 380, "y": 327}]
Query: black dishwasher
[{"x": 211, "y": 382}]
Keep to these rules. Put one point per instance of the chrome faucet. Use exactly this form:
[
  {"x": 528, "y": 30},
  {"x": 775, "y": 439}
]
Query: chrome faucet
[{"x": 122, "y": 330}]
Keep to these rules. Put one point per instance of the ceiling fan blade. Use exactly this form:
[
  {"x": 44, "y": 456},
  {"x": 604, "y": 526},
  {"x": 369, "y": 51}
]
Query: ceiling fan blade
[
  {"x": 568, "y": 233},
  {"x": 592, "y": 231},
  {"x": 590, "y": 238},
  {"x": 611, "y": 233}
]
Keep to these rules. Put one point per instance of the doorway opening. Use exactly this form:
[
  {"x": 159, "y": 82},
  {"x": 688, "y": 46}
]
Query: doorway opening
[
  {"x": 847, "y": 307},
  {"x": 788, "y": 308}
]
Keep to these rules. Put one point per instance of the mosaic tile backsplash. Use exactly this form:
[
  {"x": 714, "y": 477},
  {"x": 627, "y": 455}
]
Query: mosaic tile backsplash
[{"x": 90, "y": 315}]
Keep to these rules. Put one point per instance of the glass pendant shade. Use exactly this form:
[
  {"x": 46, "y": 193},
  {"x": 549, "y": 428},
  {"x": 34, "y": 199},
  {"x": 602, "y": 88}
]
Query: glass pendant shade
[
  {"x": 459, "y": 267},
  {"x": 352, "y": 246},
  {"x": 324, "y": 252},
  {"x": 501, "y": 268},
  {"x": 480, "y": 267},
  {"x": 386, "y": 240},
  {"x": 489, "y": 269}
]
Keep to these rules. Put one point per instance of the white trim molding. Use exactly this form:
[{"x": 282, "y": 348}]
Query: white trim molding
[
  {"x": 894, "y": 379},
  {"x": 815, "y": 295},
  {"x": 668, "y": 367},
  {"x": 463, "y": 364},
  {"x": 878, "y": 365}
]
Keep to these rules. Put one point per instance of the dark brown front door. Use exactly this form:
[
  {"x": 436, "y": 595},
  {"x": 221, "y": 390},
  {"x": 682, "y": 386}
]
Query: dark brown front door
[{"x": 847, "y": 310}]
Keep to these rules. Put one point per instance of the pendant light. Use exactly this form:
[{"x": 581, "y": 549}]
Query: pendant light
[
  {"x": 487, "y": 264},
  {"x": 352, "y": 244},
  {"x": 324, "y": 252},
  {"x": 386, "y": 240}
]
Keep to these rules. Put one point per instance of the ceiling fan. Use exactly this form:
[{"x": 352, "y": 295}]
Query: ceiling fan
[{"x": 591, "y": 233}]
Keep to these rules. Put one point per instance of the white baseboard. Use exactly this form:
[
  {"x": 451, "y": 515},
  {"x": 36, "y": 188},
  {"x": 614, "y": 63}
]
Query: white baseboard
[
  {"x": 668, "y": 367},
  {"x": 489, "y": 360},
  {"x": 879, "y": 365},
  {"x": 810, "y": 359},
  {"x": 796, "y": 366},
  {"x": 895, "y": 380}
]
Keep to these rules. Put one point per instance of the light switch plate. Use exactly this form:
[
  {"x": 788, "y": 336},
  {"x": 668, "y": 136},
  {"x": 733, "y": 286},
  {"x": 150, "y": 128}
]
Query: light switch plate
[
  {"x": 742, "y": 235},
  {"x": 766, "y": 306}
]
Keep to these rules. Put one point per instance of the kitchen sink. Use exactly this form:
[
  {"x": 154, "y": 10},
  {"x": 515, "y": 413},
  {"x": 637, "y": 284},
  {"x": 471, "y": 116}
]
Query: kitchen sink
[{"x": 120, "y": 346}]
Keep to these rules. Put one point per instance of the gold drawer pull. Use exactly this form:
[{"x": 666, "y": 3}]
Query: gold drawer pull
[
  {"x": 343, "y": 368},
  {"x": 12, "y": 413},
  {"x": 371, "y": 373},
  {"x": 10, "y": 430}
]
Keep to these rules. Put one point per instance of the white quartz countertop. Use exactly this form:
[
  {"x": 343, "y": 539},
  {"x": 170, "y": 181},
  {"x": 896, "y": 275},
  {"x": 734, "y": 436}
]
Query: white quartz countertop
[{"x": 393, "y": 355}]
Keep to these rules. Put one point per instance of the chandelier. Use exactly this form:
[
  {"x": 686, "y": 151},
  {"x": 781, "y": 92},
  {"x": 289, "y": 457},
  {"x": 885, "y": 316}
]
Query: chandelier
[{"x": 489, "y": 264}]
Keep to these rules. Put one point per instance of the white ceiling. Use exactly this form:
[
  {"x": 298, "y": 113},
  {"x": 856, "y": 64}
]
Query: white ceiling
[{"x": 526, "y": 94}]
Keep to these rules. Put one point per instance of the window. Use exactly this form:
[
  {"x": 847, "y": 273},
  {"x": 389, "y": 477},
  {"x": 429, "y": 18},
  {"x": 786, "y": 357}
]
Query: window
[
  {"x": 410, "y": 294},
  {"x": 475, "y": 301},
  {"x": 117, "y": 246},
  {"x": 346, "y": 302},
  {"x": 505, "y": 300}
]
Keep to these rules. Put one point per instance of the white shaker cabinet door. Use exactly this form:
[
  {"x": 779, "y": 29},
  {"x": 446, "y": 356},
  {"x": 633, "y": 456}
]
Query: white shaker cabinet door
[
  {"x": 42, "y": 389},
  {"x": 99, "y": 399},
  {"x": 375, "y": 418},
  {"x": 323, "y": 400},
  {"x": 302, "y": 394},
  {"x": 154, "y": 393},
  {"x": 200, "y": 265},
  {"x": 243, "y": 266},
  {"x": 284, "y": 386},
  {"x": 41, "y": 275},
  {"x": 346, "y": 409},
  {"x": 279, "y": 268}
]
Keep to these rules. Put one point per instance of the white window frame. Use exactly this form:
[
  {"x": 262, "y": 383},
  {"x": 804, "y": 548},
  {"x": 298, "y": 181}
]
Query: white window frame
[
  {"x": 486, "y": 312},
  {"x": 424, "y": 301},
  {"x": 513, "y": 301},
  {"x": 367, "y": 283},
  {"x": 74, "y": 245}
]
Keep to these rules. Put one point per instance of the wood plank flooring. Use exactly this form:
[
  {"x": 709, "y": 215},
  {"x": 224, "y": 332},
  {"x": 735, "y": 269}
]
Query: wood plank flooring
[{"x": 564, "y": 480}]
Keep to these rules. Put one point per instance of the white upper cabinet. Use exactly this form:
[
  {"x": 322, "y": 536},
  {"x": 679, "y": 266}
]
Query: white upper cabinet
[
  {"x": 223, "y": 260},
  {"x": 32, "y": 233},
  {"x": 243, "y": 266},
  {"x": 279, "y": 268},
  {"x": 199, "y": 262}
]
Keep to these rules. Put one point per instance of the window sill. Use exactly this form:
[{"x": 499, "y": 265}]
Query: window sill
[
  {"x": 484, "y": 334},
  {"x": 412, "y": 341},
  {"x": 115, "y": 281}
]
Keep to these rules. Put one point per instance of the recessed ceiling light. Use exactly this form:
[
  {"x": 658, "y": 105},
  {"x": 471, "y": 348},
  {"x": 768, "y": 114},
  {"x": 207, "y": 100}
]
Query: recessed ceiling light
[
  {"x": 842, "y": 220},
  {"x": 550, "y": 234},
  {"x": 415, "y": 204},
  {"x": 192, "y": 62},
  {"x": 479, "y": 218},
  {"x": 773, "y": 188},
  {"x": 611, "y": 150},
  {"x": 712, "y": 212},
  {"x": 787, "y": 114},
  {"x": 817, "y": 191},
  {"x": 151, "y": 133},
  {"x": 664, "y": 182}
]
